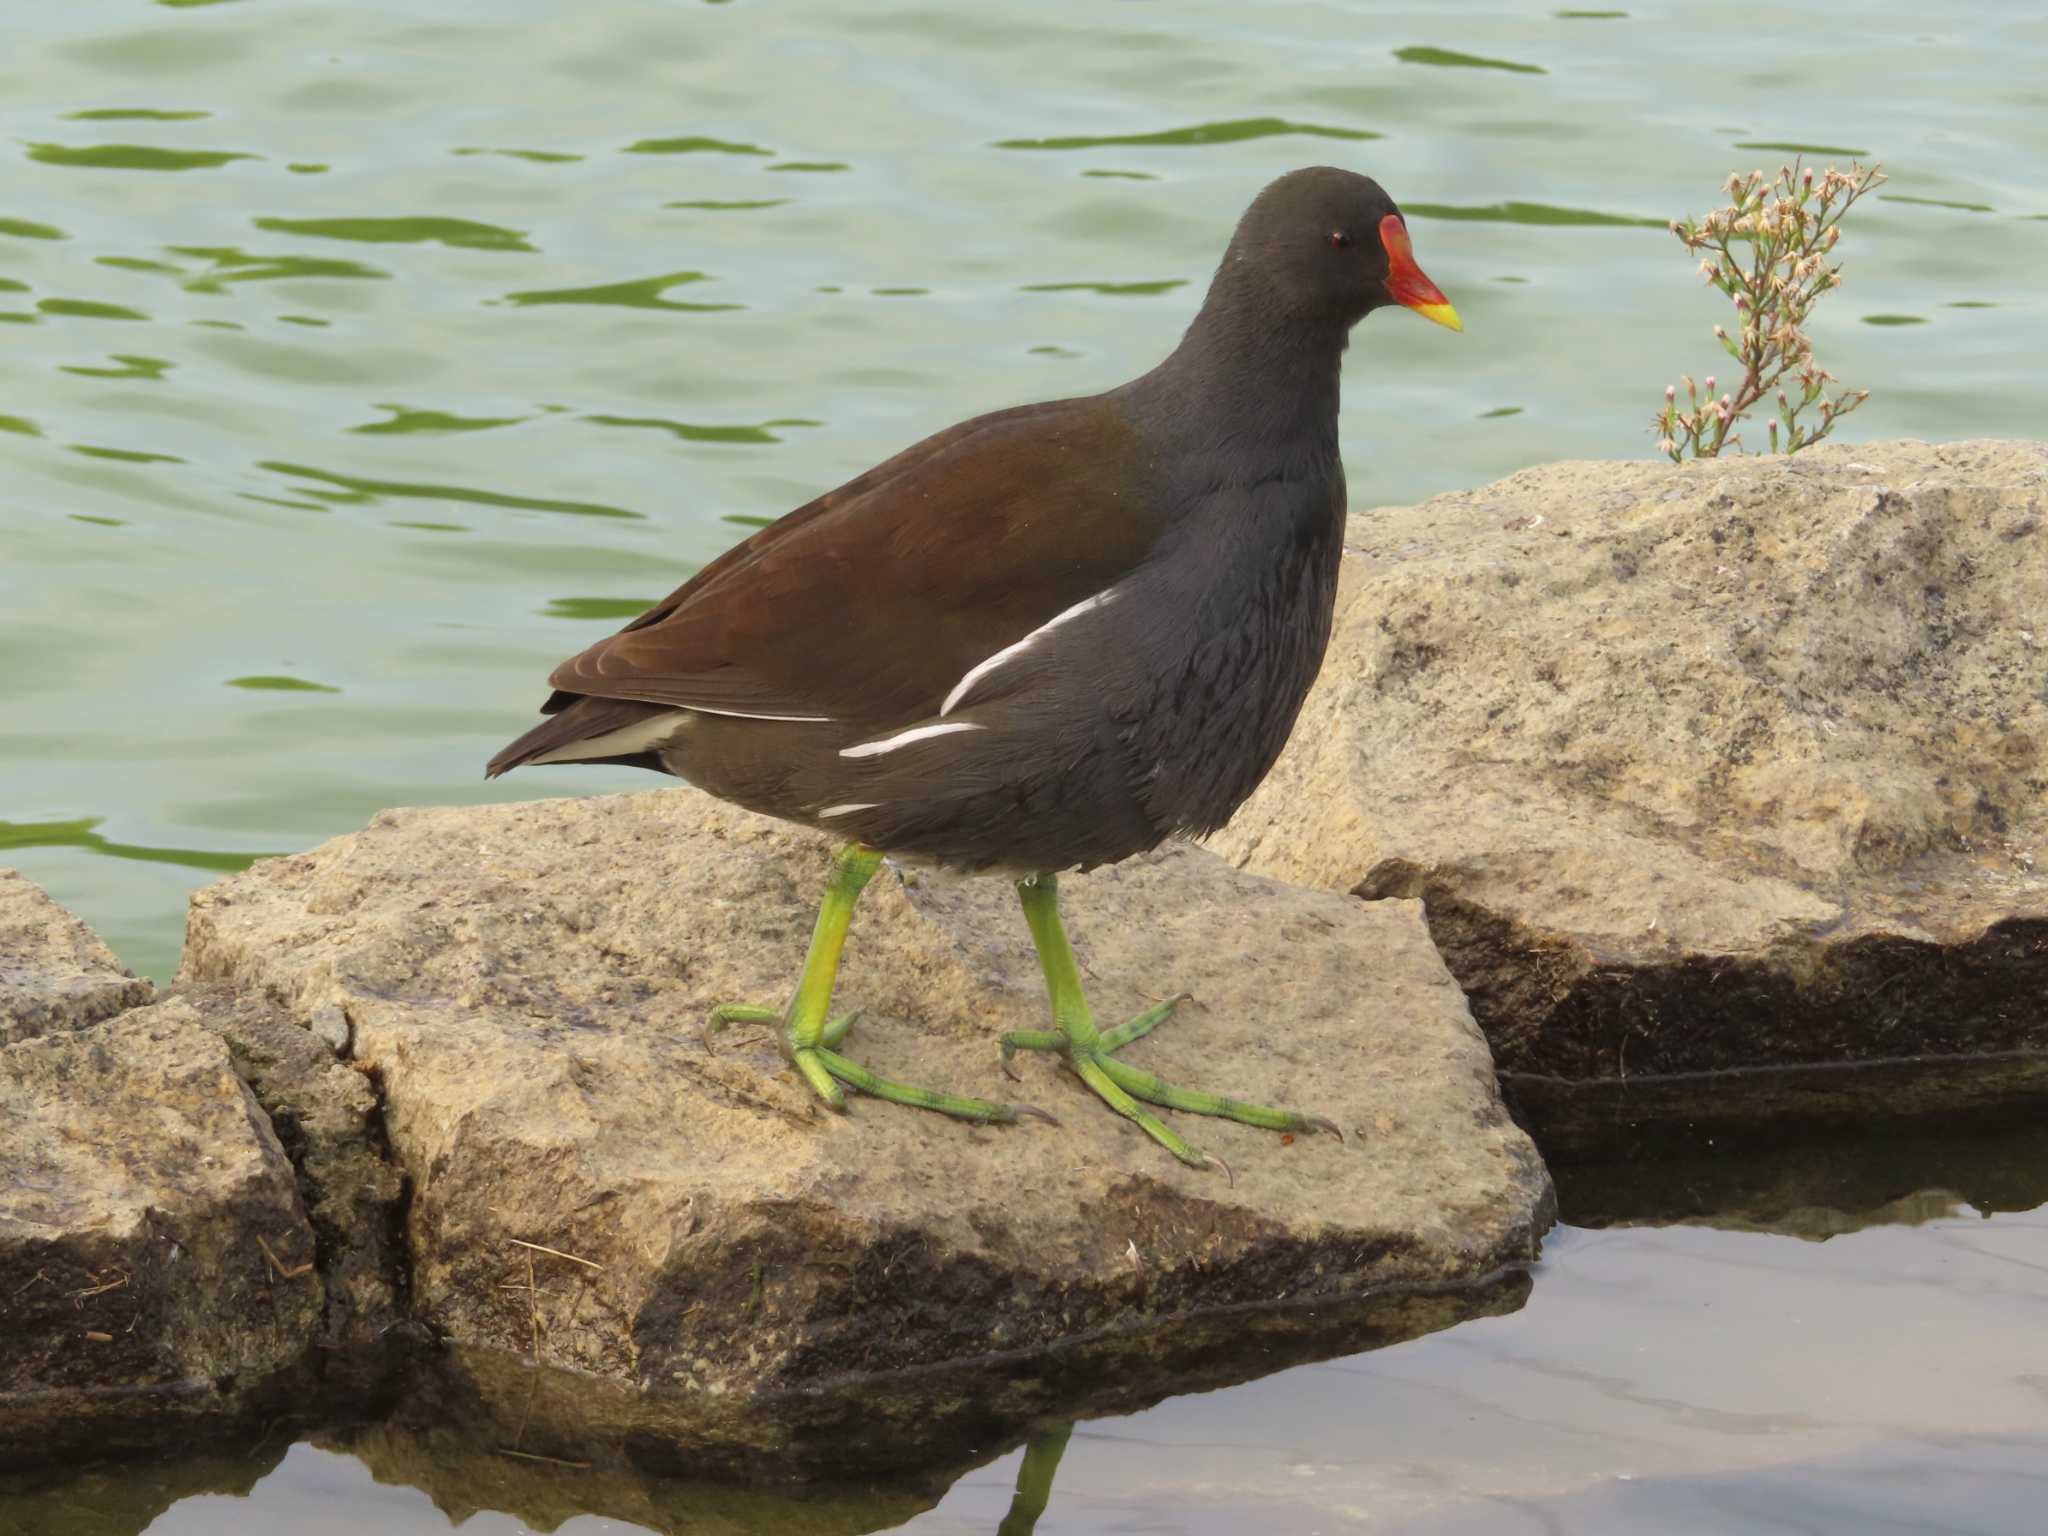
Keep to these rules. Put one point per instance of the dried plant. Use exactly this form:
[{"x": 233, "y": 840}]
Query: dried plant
[{"x": 1768, "y": 250}]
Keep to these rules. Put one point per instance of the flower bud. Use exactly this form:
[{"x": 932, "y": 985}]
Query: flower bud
[
  {"x": 1671, "y": 393},
  {"x": 1710, "y": 383}
]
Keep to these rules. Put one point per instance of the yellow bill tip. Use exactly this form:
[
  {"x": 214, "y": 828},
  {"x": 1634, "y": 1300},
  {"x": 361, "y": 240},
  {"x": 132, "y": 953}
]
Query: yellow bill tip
[{"x": 1442, "y": 314}]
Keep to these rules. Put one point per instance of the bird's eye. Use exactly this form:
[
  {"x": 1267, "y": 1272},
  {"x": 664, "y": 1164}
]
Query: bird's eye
[{"x": 1339, "y": 241}]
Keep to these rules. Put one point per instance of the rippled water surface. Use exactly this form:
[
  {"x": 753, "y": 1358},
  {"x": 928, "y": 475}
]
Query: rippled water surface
[{"x": 361, "y": 361}]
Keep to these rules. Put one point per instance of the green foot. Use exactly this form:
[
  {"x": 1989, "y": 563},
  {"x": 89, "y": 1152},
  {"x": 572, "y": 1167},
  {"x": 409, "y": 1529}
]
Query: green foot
[
  {"x": 810, "y": 1040},
  {"x": 825, "y": 1069},
  {"x": 1092, "y": 1053}
]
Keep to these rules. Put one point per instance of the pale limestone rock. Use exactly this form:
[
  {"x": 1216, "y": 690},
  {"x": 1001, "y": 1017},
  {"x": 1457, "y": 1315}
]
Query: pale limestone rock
[
  {"x": 55, "y": 973},
  {"x": 146, "y": 1210},
  {"x": 1741, "y": 763},
  {"x": 526, "y": 983}
]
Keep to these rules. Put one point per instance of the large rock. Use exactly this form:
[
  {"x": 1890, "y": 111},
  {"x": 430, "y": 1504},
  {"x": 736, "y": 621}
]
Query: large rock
[
  {"x": 1737, "y": 764},
  {"x": 55, "y": 973},
  {"x": 729, "y": 1268},
  {"x": 151, "y": 1240}
]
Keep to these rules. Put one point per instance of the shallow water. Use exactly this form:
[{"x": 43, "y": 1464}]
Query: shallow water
[{"x": 365, "y": 360}]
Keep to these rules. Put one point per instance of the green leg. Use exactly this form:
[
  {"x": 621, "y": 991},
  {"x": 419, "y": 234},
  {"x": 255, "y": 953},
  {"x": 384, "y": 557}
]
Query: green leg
[
  {"x": 809, "y": 1038},
  {"x": 1034, "y": 1480},
  {"x": 1091, "y": 1052}
]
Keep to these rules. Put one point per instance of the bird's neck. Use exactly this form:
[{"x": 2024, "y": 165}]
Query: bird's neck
[{"x": 1243, "y": 375}]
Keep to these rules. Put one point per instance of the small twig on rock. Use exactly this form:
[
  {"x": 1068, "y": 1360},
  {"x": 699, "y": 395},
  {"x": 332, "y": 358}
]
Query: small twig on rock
[
  {"x": 553, "y": 1461},
  {"x": 100, "y": 1289},
  {"x": 556, "y": 1252},
  {"x": 532, "y": 1307},
  {"x": 277, "y": 1264}
]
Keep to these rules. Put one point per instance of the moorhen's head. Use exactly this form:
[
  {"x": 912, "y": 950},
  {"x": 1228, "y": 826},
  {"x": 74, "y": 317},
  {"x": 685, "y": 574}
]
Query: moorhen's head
[{"x": 1327, "y": 245}]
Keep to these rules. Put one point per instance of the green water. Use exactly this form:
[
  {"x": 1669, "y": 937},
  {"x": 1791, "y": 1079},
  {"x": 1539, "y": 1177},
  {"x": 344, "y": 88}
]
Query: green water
[{"x": 363, "y": 360}]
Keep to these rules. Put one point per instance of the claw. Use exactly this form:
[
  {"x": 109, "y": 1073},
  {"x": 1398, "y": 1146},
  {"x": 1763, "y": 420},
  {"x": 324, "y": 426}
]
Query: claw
[
  {"x": 1019, "y": 1111},
  {"x": 1331, "y": 1126},
  {"x": 1003, "y": 1061},
  {"x": 1210, "y": 1159}
]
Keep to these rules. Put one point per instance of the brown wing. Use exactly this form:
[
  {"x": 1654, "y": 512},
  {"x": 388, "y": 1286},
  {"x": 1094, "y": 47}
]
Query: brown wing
[{"x": 869, "y": 603}]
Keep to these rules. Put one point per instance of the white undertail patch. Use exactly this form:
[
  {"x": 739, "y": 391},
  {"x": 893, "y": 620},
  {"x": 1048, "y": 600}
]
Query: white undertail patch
[
  {"x": 1016, "y": 648},
  {"x": 641, "y": 736},
  {"x": 847, "y": 810},
  {"x": 904, "y": 738}
]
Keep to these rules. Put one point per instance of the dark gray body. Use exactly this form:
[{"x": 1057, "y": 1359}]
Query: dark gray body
[
  {"x": 1049, "y": 637},
  {"x": 1157, "y": 713}
]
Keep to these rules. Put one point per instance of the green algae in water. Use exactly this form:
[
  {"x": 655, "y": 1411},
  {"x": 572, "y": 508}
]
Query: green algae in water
[
  {"x": 279, "y": 683},
  {"x": 639, "y": 293},
  {"x": 1235, "y": 131},
  {"x": 134, "y": 157},
  {"x": 1446, "y": 58}
]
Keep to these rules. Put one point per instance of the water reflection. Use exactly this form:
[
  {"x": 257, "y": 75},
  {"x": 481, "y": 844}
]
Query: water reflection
[
  {"x": 1161, "y": 285},
  {"x": 337, "y": 486},
  {"x": 695, "y": 144},
  {"x": 1235, "y": 131},
  {"x": 1893, "y": 1174},
  {"x": 463, "y": 234},
  {"x": 1669, "y": 1379},
  {"x": 133, "y": 366},
  {"x": 232, "y": 264},
  {"x": 124, "y": 114},
  {"x": 1517, "y": 212},
  {"x": 639, "y": 293},
  {"x": 1449, "y": 58},
  {"x": 88, "y": 309},
  {"x": 700, "y": 432},
  {"x": 536, "y": 156},
  {"x": 406, "y": 419},
  {"x": 133, "y": 157},
  {"x": 79, "y": 833},
  {"x": 1042, "y": 1453}
]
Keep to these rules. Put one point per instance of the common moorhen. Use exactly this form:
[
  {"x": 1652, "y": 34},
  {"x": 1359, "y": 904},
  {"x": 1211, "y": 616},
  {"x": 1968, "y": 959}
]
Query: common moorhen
[{"x": 1048, "y": 638}]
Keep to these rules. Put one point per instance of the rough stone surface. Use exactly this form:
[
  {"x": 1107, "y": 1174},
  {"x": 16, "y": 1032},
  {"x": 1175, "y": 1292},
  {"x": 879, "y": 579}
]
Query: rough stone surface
[
  {"x": 55, "y": 973},
  {"x": 1733, "y": 764},
  {"x": 526, "y": 983},
  {"x": 329, "y": 1121},
  {"x": 139, "y": 1187}
]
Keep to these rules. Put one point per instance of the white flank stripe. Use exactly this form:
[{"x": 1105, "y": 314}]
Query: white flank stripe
[
  {"x": 741, "y": 714},
  {"x": 848, "y": 810},
  {"x": 1017, "y": 648},
  {"x": 905, "y": 738},
  {"x": 641, "y": 736}
]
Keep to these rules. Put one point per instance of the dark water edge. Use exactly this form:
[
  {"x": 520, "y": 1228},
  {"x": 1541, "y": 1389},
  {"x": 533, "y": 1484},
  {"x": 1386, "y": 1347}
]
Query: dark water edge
[{"x": 484, "y": 1431}]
